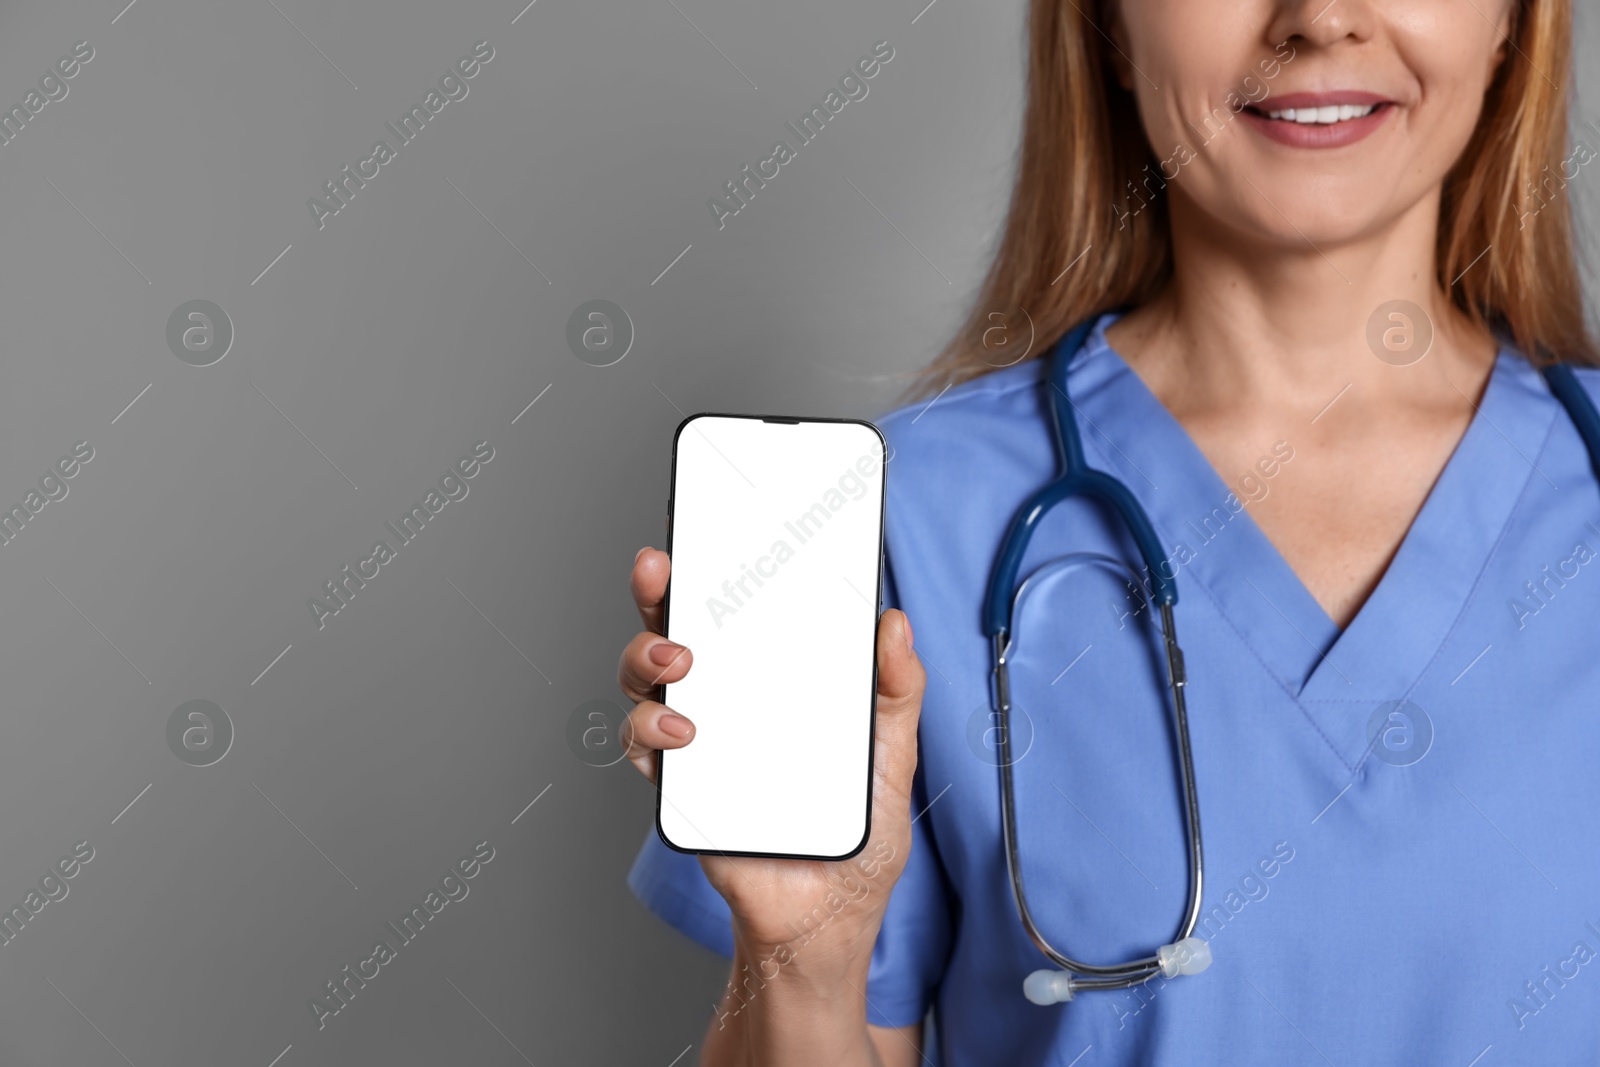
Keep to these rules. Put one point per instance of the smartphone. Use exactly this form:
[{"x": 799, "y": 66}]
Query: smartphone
[{"x": 775, "y": 529}]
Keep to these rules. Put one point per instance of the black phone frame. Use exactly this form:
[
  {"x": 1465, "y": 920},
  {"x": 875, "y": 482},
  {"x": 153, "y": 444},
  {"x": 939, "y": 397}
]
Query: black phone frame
[{"x": 666, "y": 610}]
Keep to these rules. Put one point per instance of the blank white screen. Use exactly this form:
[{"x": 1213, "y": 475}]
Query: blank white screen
[{"x": 776, "y": 536}]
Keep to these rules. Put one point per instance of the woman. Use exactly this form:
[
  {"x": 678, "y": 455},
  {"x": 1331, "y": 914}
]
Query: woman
[{"x": 1324, "y": 248}]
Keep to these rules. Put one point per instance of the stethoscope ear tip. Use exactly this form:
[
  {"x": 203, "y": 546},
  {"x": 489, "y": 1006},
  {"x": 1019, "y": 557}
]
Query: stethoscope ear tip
[
  {"x": 1189, "y": 956},
  {"x": 1048, "y": 987}
]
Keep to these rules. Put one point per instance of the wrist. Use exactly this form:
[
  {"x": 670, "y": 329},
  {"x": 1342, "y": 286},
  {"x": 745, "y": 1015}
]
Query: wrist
[
  {"x": 819, "y": 930},
  {"x": 794, "y": 1014},
  {"x": 817, "y": 970}
]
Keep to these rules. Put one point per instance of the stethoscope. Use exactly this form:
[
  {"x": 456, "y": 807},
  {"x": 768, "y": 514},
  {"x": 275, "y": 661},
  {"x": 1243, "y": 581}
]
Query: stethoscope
[{"x": 1186, "y": 954}]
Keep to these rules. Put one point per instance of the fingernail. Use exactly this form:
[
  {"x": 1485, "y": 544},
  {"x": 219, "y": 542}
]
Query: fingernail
[
  {"x": 641, "y": 552},
  {"x": 675, "y": 725},
  {"x": 664, "y": 652},
  {"x": 909, "y": 637}
]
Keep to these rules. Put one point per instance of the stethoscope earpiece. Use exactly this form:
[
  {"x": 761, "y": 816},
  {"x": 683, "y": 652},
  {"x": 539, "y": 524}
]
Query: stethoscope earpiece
[
  {"x": 1189, "y": 956},
  {"x": 1048, "y": 987}
]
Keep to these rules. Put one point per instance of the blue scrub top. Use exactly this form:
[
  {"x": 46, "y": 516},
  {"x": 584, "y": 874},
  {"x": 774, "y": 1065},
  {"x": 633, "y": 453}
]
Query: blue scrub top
[{"x": 1401, "y": 857}]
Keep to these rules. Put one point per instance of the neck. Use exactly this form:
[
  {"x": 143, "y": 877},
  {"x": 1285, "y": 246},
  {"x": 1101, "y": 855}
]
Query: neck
[{"x": 1251, "y": 323}]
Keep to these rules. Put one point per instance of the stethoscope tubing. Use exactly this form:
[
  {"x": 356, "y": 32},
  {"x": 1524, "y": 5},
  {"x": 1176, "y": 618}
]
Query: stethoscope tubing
[{"x": 1133, "y": 972}]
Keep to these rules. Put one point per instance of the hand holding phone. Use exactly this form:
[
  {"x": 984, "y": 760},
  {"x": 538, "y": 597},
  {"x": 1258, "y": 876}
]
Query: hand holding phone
[{"x": 766, "y": 896}]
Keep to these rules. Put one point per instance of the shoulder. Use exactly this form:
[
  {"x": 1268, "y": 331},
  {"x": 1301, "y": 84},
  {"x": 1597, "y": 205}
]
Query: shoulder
[
  {"x": 1551, "y": 387},
  {"x": 1578, "y": 390},
  {"x": 975, "y": 394},
  {"x": 985, "y": 388},
  {"x": 1589, "y": 378},
  {"x": 965, "y": 422},
  {"x": 959, "y": 463},
  {"x": 973, "y": 446},
  {"x": 1003, "y": 416}
]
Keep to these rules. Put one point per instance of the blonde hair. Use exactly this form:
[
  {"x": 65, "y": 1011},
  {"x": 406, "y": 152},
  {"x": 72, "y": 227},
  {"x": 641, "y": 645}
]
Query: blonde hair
[{"x": 1083, "y": 145}]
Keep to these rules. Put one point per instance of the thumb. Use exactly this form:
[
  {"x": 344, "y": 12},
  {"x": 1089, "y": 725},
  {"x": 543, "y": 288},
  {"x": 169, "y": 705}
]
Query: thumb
[{"x": 901, "y": 681}]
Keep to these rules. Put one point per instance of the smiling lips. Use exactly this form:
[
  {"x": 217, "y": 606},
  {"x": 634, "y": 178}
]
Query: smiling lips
[{"x": 1319, "y": 120}]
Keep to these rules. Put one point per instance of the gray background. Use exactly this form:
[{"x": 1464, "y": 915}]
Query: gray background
[{"x": 379, "y": 749}]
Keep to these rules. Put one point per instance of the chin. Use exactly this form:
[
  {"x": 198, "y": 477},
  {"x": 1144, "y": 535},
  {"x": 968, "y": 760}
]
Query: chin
[{"x": 1290, "y": 213}]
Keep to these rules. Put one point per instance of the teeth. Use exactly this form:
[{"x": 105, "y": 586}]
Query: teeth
[{"x": 1322, "y": 116}]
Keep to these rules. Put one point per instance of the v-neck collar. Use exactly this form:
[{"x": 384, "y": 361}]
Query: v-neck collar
[{"x": 1393, "y": 638}]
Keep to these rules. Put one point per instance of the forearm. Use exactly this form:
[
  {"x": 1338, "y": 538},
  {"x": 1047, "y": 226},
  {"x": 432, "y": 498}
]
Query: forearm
[{"x": 776, "y": 1015}]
